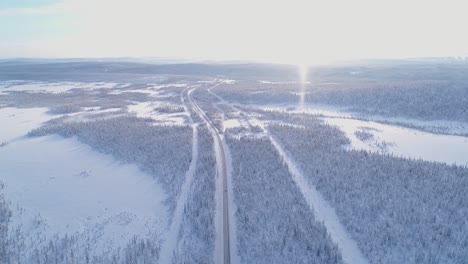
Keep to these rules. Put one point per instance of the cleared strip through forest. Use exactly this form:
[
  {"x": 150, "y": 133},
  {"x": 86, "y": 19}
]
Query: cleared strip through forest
[
  {"x": 323, "y": 211},
  {"x": 170, "y": 243}
]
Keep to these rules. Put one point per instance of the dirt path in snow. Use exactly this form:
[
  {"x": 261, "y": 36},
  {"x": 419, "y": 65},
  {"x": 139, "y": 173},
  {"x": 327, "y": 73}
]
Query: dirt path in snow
[{"x": 169, "y": 246}]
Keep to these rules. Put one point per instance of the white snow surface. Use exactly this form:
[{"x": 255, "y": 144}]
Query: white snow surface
[
  {"x": 281, "y": 82},
  {"x": 231, "y": 123},
  {"x": 146, "y": 110},
  {"x": 331, "y": 111},
  {"x": 17, "y": 122},
  {"x": 315, "y": 109},
  {"x": 76, "y": 190},
  {"x": 444, "y": 126},
  {"x": 51, "y": 87},
  {"x": 405, "y": 142},
  {"x": 148, "y": 91},
  {"x": 89, "y": 114},
  {"x": 179, "y": 85}
]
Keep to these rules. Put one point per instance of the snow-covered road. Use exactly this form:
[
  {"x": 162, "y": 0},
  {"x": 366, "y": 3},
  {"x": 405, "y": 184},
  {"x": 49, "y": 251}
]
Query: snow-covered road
[{"x": 222, "y": 236}]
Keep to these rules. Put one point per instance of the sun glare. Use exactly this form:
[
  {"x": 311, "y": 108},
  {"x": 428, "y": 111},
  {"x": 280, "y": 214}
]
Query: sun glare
[{"x": 303, "y": 70}]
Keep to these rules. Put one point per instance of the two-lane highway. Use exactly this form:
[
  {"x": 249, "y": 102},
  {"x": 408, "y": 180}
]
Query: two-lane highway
[{"x": 222, "y": 172}]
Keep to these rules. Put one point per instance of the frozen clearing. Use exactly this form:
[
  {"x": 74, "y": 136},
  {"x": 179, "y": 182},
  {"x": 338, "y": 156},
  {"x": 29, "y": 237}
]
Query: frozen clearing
[
  {"x": 146, "y": 110},
  {"x": 65, "y": 187},
  {"x": 323, "y": 211},
  {"x": 404, "y": 142},
  {"x": 439, "y": 126},
  {"x": 322, "y": 110},
  {"x": 231, "y": 123},
  {"x": 92, "y": 114},
  {"x": 329, "y": 111},
  {"x": 149, "y": 91},
  {"x": 17, "y": 122}
]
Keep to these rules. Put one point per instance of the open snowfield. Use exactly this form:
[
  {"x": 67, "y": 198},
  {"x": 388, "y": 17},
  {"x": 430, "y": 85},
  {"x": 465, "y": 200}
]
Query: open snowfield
[
  {"x": 17, "y": 123},
  {"x": 168, "y": 114},
  {"x": 389, "y": 138},
  {"x": 61, "y": 187},
  {"x": 403, "y": 142}
]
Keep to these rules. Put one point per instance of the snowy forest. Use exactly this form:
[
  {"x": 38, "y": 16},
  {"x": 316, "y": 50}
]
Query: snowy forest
[{"x": 127, "y": 162}]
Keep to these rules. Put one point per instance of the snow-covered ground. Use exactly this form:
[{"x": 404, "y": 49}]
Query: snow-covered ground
[
  {"x": 92, "y": 114},
  {"x": 433, "y": 126},
  {"x": 147, "y": 110},
  {"x": 329, "y": 111},
  {"x": 297, "y": 191},
  {"x": 148, "y": 91},
  {"x": 323, "y": 110},
  {"x": 390, "y": 138},
  {"x": 16, "y": 122},
  {"x": 270, "y": 82},
  {"x": 59, "y": 188},
  {"x": 52, "y": 87},
  {"x": 404, "y": 142},
  {"x": 72, "y": 189},
  {"x": 231, "y": 123}
]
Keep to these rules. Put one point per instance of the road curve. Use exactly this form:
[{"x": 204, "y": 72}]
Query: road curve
[{"x": 222, "y": 171}]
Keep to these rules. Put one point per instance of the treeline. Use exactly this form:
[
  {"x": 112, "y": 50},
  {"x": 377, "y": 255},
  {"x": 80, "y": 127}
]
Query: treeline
[
  {"x": 418, "y": 99},
  {"x": 425, "y": 100}
]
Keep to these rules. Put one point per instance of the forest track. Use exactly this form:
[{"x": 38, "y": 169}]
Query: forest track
[{"x": 170, "y": 244}]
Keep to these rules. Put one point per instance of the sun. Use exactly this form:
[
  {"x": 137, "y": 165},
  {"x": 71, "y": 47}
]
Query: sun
[{"x": 303, "y": 71}]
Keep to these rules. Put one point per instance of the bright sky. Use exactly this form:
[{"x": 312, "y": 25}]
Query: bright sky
[{"x": 292, "y": 31}]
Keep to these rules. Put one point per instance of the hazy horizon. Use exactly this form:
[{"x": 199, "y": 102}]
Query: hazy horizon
[{"x": 293, "y": 32}]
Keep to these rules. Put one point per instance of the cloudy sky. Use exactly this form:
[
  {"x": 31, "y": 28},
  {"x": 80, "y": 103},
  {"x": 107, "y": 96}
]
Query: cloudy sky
[{"x": 292, "y": 31}]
